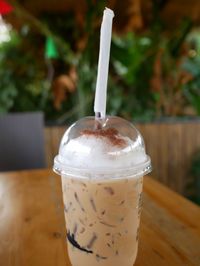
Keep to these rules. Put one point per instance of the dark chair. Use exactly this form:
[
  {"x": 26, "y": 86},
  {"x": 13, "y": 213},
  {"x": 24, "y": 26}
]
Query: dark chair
[{"x": 21, "y": 141}]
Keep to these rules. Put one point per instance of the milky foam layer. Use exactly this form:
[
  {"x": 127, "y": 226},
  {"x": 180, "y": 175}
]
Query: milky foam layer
[
  {"x": 92, "y": 152},
  {"x": 108, "y": 148}
]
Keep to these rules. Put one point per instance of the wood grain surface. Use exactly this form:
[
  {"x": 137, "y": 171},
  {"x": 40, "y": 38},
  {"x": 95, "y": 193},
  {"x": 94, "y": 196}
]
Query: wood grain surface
[{"x": 32, "y": 228}]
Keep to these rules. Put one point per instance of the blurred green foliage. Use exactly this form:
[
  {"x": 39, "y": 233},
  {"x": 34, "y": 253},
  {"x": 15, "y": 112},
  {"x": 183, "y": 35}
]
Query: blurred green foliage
[
  {"x": 23, "y": 86},
  {"x": 152, "y": 74},
  {"x": 192, "y": 88}
]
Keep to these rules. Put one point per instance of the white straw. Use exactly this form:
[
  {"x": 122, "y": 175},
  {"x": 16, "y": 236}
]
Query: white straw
[{"x": 104, "y": 55}]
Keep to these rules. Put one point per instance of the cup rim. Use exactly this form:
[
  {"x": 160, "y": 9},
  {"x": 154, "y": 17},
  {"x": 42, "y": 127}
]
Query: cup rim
[{"x": 140, "y": 169}]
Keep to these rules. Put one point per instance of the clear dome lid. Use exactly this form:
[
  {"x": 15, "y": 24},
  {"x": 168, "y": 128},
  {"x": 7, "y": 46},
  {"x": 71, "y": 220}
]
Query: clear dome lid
[{"x": 100, "y": 148}]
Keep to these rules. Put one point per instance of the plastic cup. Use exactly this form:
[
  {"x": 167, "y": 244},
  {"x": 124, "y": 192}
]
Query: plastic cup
[{"x": 102, "y": 164}]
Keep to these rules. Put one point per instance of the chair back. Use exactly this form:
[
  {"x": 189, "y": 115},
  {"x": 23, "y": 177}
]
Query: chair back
[{"x": 22, "y": 141}]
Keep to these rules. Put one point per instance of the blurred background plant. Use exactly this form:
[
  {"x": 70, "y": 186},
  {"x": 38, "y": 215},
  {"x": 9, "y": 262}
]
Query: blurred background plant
[{"x": 50, "y": 64}]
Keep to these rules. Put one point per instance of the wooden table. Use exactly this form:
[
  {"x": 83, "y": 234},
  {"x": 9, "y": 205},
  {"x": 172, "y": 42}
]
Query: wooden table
[{"x": 32, "y": 229}]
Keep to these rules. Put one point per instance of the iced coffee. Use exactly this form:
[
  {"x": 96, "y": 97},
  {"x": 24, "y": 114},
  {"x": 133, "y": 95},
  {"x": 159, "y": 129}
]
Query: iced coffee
[{"x": 102, "y": 171}]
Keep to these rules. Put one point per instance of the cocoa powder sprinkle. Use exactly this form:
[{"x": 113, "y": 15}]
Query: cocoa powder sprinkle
[{"x": 110, "y": 133}]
